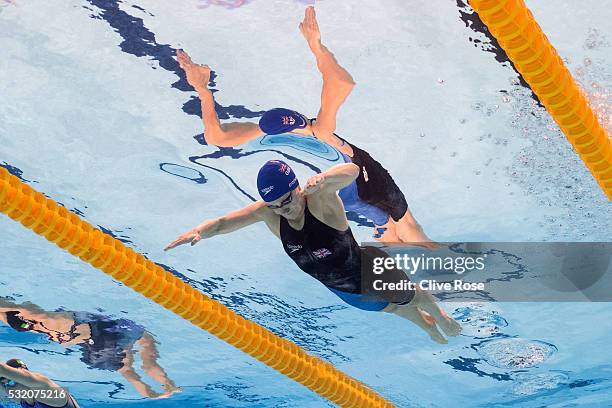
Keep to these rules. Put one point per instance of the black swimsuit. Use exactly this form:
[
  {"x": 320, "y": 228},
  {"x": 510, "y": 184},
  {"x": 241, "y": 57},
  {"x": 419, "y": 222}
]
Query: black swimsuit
[
  {"x": 335, "y": 259},
  {"x": 328, "y": 255},
  {"x": 375, "y": 185}
]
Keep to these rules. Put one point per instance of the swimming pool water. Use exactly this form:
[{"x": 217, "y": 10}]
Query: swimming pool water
[{"x": 96, "y": 113}]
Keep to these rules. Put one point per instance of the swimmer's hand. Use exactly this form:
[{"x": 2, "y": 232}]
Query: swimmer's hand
[
  {"x": 198, "y": 75},
  {"x": 192, "y": 236},
  {"x": 310, "y": 28},
  {"x": 314, "y": 184}
]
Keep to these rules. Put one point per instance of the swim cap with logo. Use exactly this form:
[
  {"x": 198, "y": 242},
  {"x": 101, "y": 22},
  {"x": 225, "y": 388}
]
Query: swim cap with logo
[
  {"x": 275, "y": 179},
  {"x": 280, "y": 120}
]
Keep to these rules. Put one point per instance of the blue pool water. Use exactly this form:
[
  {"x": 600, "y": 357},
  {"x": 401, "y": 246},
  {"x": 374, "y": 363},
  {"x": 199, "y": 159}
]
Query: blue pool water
[{"x": 96, "y": 113}]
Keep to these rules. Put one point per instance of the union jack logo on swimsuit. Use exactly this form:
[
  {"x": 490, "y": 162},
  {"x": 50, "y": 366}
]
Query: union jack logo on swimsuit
[{"x": 321, "y": 253}]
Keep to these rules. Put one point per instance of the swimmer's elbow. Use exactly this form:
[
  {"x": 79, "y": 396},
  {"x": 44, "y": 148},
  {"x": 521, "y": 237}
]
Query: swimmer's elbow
[
  {"x": 225, "y": 225},
  {"x": 217, "y": 138}
]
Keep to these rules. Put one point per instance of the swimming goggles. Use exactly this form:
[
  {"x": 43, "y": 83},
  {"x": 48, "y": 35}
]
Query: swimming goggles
[
  {"x": 27, "y": 325},
  {"x": 283, "y": 203},
  {"x": 6, "y": 383}
]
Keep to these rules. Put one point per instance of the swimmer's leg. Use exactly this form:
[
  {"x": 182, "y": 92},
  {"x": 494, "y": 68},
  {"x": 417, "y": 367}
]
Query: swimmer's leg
[
  {"x": 337, "y": 82},
  {"x": 149, "y": 355},
  {"x": 426, "y": 302},
  {"x": 422, "y": 320},
  {"x": 227, "y": 134},
  {"x": 410, "y": 231},
  {"x": 128, "y": 372}
]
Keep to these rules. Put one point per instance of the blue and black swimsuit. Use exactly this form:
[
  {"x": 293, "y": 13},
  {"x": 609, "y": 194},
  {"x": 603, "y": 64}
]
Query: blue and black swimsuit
[
  {"x": 374, "y": 194},
  {"x": 109, "y": 340},
  {"x": 374, "y": 187},
  {"x": 334, "y": 258}
]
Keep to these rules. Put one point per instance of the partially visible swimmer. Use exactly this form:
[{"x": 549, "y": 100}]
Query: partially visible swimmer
[
  {"x": 314, "y": 231},
  {"x": 373, "y": 194},
  {"x": 105, "y": 343},
  {"x": 32, "y": 390}
]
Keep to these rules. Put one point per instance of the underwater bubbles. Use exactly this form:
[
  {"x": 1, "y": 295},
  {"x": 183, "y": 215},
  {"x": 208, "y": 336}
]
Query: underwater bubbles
[
  {"x": 515, "y": 353},
  {"x": 529, "y": 384},
  {"x": 477, "y": 321}
]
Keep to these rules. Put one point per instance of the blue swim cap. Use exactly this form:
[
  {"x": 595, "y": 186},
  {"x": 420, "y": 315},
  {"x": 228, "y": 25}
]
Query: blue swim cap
[
  {"x": 280, "y": 120},
  {"x": 275, "y": 179}
]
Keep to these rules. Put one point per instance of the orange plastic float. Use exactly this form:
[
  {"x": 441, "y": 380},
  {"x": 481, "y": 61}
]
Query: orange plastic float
[{"x": 514, "y": 27}]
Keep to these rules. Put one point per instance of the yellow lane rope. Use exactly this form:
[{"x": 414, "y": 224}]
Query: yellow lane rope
[
  {"x": 68, "y": 231},
  {"x": 516, "y": 30}
]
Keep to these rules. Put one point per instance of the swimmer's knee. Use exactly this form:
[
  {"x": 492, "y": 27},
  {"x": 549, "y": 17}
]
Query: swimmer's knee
[{"x": 403, "y": 310}]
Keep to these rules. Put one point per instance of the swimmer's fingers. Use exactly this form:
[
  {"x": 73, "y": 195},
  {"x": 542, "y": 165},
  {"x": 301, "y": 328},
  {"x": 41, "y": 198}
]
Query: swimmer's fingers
[
  {"x": 172, "y": 245},
  {"x": 182, "y": 239},
  {"x": 314, "y": 184},
  {"x": 196, "y": 239}
]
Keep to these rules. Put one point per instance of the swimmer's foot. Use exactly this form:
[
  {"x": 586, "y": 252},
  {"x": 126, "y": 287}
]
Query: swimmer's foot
[
  {"x": 172, "y": 389},
  {"x": 449, "y": 326},
  {"x": 198, "y": 75},
  {"x": 432, "y": 329},
  {"x": 435, "y": 334},
  {"x": 422, "y": 319},
  {"x": 426, "y": 303}
]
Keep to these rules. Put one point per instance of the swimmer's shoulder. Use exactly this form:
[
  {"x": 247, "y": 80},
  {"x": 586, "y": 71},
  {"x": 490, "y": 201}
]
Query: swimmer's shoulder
[
  {"x": 328, "y": 208},
  {"x": 265, "y": 214}
]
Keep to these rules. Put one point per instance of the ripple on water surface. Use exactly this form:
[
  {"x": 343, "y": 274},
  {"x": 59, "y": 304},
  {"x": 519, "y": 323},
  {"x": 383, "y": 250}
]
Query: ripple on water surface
[{"x": 515, "y": 353}]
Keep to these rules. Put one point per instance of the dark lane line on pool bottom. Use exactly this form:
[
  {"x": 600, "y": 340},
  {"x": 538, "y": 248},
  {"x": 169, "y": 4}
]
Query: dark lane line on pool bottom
[{"x": 139, "y": 41}]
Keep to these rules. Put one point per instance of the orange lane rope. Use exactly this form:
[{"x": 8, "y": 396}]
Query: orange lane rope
[
  {"x": 68, "y": 231},
  {"x": 516, "y": 30}
]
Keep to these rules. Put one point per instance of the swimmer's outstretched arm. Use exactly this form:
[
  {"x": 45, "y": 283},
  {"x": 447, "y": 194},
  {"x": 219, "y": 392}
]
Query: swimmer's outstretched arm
[
  {"x": 337, "y": 82},
  {"x": 225, "y": 224},
  {"x": 227, "y": 134},
  {"x": 25, "y": 377}
]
